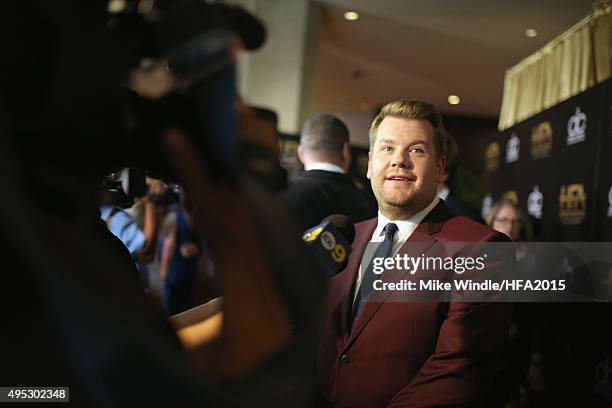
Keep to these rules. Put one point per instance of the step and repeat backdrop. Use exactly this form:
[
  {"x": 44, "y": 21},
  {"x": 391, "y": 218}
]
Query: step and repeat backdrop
[{"x": 557, "y": 166}]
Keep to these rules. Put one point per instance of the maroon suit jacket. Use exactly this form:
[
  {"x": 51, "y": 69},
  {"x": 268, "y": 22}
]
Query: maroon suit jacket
[{"x": 410, "y": 354}]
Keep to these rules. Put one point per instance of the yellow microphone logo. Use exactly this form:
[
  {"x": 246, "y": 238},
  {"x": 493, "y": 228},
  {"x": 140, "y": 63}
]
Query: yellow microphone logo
[{"x": 312, "y": 235}]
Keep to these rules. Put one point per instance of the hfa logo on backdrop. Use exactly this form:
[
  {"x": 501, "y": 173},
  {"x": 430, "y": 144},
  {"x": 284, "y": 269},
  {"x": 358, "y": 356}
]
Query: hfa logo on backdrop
[
  {"x": 512, "y": 149},
  {"x": 535, "y": 202},
  {"x": 576, "y": 127},
  {"x": 541, "y": 140},
  {"x": 511, "y": 196},
  {"x": 362, "y": 164},
  {"x": 610, "y": 202},
  {"x": 572, "y": 203},
  {"x": 492, "y": 157},
  {"x": 487, "y": 203}
]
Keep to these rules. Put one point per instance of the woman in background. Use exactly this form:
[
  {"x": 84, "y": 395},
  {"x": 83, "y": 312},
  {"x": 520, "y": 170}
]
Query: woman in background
[{"x": 507, "y": 218}]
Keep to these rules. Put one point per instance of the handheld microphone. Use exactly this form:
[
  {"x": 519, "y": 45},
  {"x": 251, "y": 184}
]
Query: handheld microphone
[{"x": 331, "y": 242}]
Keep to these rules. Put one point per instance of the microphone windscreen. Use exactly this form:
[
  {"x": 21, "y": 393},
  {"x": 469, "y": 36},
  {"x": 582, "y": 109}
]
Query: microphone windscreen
[{"x": 344, "y": 224}]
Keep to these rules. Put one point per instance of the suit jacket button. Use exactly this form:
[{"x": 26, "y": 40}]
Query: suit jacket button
[{"x": 344, "y": 359}]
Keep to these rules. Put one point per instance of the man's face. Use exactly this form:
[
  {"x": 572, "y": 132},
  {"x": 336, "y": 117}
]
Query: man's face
[{"x": 403, "y": 166}]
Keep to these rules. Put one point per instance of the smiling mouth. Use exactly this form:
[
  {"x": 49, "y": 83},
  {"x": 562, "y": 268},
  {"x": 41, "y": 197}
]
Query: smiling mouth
[{"x": 400, "y": 178}]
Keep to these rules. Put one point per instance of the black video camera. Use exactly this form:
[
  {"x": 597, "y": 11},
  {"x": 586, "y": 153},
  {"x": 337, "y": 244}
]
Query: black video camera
[
  {"x": 122, "y": 188},
  {"x": 194, "y": 40}
]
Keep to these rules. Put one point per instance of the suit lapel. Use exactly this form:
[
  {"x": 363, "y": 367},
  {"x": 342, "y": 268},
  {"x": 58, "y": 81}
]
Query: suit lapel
[
  {"x": 361, "y": 241},
  {"x": 420, "y": 241}
]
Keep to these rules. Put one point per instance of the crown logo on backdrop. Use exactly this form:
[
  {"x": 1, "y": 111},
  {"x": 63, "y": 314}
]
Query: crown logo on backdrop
[
  {"x": 487, "y": 203},
  {"x": 535, "y": 202},
  {"x": 512, "y": 149},
  {"x": 576, "y": 127},
  {"x": 610, "y": 202}
]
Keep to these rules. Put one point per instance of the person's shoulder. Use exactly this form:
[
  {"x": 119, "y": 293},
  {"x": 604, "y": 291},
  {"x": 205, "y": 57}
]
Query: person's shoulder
[
  {"x": 306, "y": 179},
  {"x": 463, "y": 229},
  {"x": 458, "y": 206},
  {"x": 318, "y": 176},
  {"x": 300, "y": 183},
  {"x": 315, "y": 180}
]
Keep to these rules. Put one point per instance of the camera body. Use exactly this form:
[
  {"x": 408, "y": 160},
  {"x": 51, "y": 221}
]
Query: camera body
[
  {"x": 193, "y": 42},
  {"x": 122, "y": 188}
]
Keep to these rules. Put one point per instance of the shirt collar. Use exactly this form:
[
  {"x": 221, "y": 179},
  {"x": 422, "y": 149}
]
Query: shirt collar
[
  {"x": 324, "y": 166},
  {"x": 443, "y": 194},
  {"x": 405, "y": 227}
]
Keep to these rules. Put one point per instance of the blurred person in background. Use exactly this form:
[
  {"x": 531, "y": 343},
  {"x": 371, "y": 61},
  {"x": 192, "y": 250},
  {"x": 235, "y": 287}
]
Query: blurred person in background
[
  {"x": 548, "y": 359},
  {"x": 259, "y": 147},
  {"x": 148, "y": 212},
  {"x": 179, "y": 254},
  {"x": 445, "y": 188},
  {"x": 137, "y": 227},
  {"x": 507, "y": 218},
  {"x": 324, "y": 188}
]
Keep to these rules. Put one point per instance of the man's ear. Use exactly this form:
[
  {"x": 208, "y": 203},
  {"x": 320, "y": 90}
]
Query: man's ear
[
  {"x": 441, "y": 167},
  {"x": 346, "y": 156},
  {"x": 445, "y": 177},
  {"x": 369, "y": 165},
  {"x": 300, "y": 152}
]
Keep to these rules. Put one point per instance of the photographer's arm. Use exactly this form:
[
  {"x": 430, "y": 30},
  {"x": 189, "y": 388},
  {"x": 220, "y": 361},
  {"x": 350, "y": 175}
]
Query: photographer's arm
[
  {"x": 255, "y": 324},
  {"x": 150, "y": 228},
  {"x": 152, "y": 215},
  {"x": 168, "y": 246}
]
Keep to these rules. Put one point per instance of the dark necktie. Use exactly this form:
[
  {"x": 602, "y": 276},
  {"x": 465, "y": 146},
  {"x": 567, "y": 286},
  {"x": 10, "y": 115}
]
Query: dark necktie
[{"x": 367, "y": 280}]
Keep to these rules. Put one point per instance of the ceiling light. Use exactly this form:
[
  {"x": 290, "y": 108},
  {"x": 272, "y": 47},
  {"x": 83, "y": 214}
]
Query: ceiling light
[
  {"x": 351, "y": 15},
  {"x": 116, "y": 6},
  {"x": 454, "y": 99},
  {"x": 531, "y": 33},
  {"x": 145, "y": 6}
]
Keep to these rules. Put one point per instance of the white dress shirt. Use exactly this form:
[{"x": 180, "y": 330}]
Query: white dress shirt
[
  {"x": 444, "y": 193},
  {"x": 324, "y": 166},
  {"x": 405, "y": 229}
]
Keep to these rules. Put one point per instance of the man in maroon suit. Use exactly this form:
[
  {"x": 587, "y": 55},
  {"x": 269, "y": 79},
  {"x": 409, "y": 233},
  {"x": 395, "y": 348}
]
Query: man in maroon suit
[{"x": 385, "y": 353}]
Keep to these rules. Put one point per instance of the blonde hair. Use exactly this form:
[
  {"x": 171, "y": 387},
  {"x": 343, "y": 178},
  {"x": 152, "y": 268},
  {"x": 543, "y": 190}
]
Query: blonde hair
[{"x": 409, "y": 109}]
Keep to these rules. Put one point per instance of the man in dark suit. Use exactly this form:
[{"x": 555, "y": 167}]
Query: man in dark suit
[
  {"x": 377, "y": 351},
  {"x": 325, "y": 188},
  {"x": 445, "y": 190}
]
